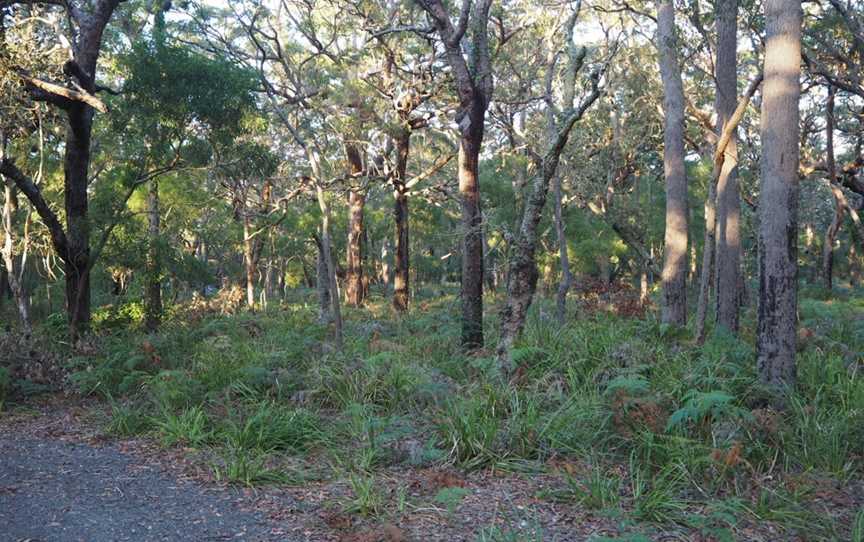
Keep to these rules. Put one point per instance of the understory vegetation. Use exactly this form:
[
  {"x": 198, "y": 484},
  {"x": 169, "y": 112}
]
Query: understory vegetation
[{"x": 628, "y": 419}]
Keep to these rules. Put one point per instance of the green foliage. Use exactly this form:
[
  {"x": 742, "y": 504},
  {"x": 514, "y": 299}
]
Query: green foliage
[
  {"x": 128, "y": 420},
  {"x": 656, "y": 497},
  {"x": 268, "y": 427},
  {"x": 248, "y": 468},
  {"x": 706, "y": 406},
  {"x": 191, "y": 427},
  {"x": 858, "y": 527},
  {"x": 601, "y": 489},
  {"x": 368, "y": 499},
  {"x": 261, "y": 391}
]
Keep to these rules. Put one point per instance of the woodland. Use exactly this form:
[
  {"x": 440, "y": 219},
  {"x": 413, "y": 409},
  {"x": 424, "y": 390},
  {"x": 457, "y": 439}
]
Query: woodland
[{"x": 492, "y": 270}]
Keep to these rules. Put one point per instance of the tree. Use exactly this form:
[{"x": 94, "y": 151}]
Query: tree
[
  {"x": 560, "y": 120},
  {"x": 474, "y": 85},
  {"x": 728, "y": 198},
  {"x": 88, "y": 21},
  {"x": 177, "y": 106},
  {"x": 778, "y": 196},
  {"x": 674, "y": 309}
]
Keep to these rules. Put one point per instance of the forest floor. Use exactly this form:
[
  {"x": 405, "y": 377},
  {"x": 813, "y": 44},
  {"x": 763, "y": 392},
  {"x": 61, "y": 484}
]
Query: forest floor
[{"x": 254, "y": 427}]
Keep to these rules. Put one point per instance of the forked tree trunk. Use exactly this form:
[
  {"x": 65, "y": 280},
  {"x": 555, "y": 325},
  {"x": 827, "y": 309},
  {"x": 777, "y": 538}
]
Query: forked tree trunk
[
  {"x": 674, "y": 310},
  {"x": 153, "y": 315},
  {"x": 523, "y": 274},
  {"x": 522, "y": 279},
  {"x": 778, "y": 196},
  {"x": 728, "y": 239},
  {"x": 474, "y": 85}
]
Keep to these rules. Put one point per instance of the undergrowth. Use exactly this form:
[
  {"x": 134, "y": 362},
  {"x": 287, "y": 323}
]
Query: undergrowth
[{"x": 670, "y": 433}]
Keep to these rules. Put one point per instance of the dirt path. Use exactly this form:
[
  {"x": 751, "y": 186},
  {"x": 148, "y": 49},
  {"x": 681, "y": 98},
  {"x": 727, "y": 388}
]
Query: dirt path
[{"x": 52, "y": 490}]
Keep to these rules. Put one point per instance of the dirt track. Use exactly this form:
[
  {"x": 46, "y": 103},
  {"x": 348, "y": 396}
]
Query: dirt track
[{"x": 52, "y": 490}]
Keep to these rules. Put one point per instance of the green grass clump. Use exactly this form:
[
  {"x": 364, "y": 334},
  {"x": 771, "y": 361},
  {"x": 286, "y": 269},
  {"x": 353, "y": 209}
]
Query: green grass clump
[
  {"x": 191, "y": 427},
  {"x": 269, "y": 427}
]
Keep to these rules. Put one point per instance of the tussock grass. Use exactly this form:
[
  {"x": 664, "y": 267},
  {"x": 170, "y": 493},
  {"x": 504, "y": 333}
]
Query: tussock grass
[{"x": 675, "y": 433}]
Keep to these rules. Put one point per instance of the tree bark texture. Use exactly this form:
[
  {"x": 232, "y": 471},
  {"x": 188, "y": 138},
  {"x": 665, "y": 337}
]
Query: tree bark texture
[
  {"x": 674, "y": 277},
  {"x": 354, "y": 252},
  {"x": 728, "y": 238},
  {"x": 401, "y": 278},
  {"x": 778, "y": 198}
]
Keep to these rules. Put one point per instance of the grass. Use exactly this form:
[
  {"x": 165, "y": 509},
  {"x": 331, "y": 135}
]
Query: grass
[{"x": 674, "y": 433}]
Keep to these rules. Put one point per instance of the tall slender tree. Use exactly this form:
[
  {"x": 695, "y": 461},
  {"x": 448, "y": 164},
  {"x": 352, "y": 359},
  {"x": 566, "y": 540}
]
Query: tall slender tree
[
  {"x": 778, "y": 196},
  {"x": 728, "y": 238},
  {"x": 474, "y": 86},
  {"x": 674, "y": 309}
]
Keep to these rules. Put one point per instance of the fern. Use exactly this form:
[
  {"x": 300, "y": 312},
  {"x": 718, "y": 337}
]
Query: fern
[
  {"x": 629, "y": 384},
  {"x": 698, "y": 406}
]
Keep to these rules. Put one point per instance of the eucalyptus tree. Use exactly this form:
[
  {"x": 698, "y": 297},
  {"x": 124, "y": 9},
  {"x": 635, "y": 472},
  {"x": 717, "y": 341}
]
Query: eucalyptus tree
[
  {"x": 81, "y": 34},
  {"x": 23, "y": 124},
  {"x": 728, "y": 268},
  {"x": 292, "y": 48},
  {"x": 473, "y": 81},
  {"x": 405, "y": 81},
  {"x": 674, "y": 307},
  {"x": 561, "y": 115},
  {"x": 833, "y": 45},
  {"x": 778, "y": 204}
]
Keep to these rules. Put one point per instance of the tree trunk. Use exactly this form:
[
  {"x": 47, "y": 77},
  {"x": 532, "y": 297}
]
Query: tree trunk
[
  {"x": 249, "y": 260},
  {"x": 76, "y": 165},
  {"x": 839, "y": 200},
  {"x": 386, "y": 271},
  {"x": 401, "y": 278},
  {"x": 566, "y": 275},
  {"x": 8, "y": 254},
  {"x": 472, "y": 222},
  {"x": 522, "y": 279},
  {"x": 674, "y": 276},
  {"x": 154, "y": 270},
  {"x": 707, "y": 262},
  {"x": 728, "y": 240},
  {"x": 778, "y": 197},
  {"x": 327, "y": 257},
  {"x": 488, "y": 260},
  {"x": 354, "y": 250},
  {"x": 354, "y": 256},
  {"x": 322, "y": 280},
  {"x": 5, "y": 291}
]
